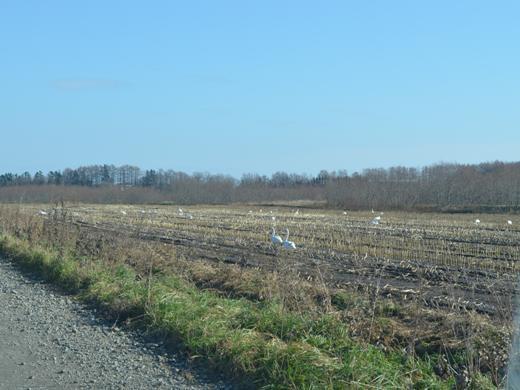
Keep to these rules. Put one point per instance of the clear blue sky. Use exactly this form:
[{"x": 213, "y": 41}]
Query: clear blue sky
[{"x": 241, "y": 86}]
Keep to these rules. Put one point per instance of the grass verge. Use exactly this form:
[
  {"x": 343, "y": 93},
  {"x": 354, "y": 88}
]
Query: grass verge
[{"x": 271, "y": 347}]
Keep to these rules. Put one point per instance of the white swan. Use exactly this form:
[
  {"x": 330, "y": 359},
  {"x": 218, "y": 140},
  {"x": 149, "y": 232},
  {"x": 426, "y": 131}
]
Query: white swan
[
  {"x": 376, "y": 220},
  {"x": 288, "y": 244},
  {"x": 275, "y": 239},
  {"x": 477, "y": 221},
  {"x": 509, "y": 222}
]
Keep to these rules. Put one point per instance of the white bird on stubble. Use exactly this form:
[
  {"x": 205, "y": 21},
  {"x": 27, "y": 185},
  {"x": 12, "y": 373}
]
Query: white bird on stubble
[
  {"x": 275, "y": 238},
  {"x": 376, "y": 220},
  {"x": 288, "y": 244}
]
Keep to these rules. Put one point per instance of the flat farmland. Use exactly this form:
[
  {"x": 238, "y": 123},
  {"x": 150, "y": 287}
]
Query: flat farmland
[
  {"x": 449, "y": 260},
  {"x": 437, "y": 286}
]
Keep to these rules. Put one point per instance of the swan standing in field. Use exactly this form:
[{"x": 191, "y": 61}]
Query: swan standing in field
[
  {"x": 275, "y": 239},
  {"x": 376, "y": 220},
  {"x": 344, "y": 213},
  {"x": 123, "y": 212},
  {"x": 509, "y": 222},
  {"x": 286, "y": 243},
  {"x": 41, "y": 212},
  {"x": 477, "y": 221}
]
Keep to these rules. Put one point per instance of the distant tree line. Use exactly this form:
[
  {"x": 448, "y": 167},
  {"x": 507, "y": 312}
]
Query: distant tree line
[
  {"x": 453, "y": 187},
  {"x": 444, "y": 187},
  {"x": 130, "y": 184}
]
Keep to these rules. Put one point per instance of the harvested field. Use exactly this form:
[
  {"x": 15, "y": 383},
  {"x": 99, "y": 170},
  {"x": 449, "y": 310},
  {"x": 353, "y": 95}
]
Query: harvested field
[
  {"x": 447, "y": 259},
  {"x": 435, "y": 283}
]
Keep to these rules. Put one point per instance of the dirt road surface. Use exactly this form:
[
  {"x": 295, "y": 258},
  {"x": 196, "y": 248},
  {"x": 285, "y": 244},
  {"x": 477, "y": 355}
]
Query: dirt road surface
[{"x": 50, "y": 341}]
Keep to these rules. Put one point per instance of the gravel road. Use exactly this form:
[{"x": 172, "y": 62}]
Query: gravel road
[{"x": 50, "y": 341}]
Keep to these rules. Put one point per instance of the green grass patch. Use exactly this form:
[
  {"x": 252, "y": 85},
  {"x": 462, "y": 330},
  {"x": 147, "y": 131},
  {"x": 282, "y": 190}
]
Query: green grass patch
[{"x": 259, "y": 340}]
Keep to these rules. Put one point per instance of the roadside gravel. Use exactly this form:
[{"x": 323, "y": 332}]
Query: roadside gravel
[{"x": 50, "y": 341}]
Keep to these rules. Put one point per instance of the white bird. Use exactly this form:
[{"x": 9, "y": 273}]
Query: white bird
[
  {"x": 275, "y": 238},
  {"x": 250, "y": 211},
  {"x": 123, "y": 212},
  {"x": 372, "y": 211},
  {"x": 179, "y": 210},
  {"x": 477, "y": 221},
  {"x": 41, "y": 212},
  {"x": 273, "y": 218},
  {"x": 376, "y": 220},
  {"x": 297, "y": 212},
  {"x": 189, "y": 216},
  {"x": 344, "y": 213},
  {"x": 288, "y": 244},
  {"x": 509, "y": 222}
]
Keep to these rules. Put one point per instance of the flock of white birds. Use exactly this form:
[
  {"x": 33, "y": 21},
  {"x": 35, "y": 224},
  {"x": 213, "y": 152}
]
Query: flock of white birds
[{"x": 276, "y": 240}]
